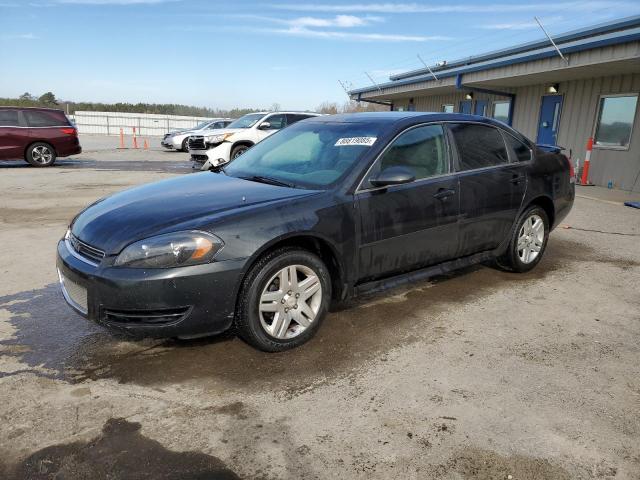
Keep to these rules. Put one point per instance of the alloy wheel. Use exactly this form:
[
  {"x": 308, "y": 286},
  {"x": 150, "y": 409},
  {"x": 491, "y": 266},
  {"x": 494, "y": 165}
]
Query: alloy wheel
[
  {"x": 42, "y": 154},
  {"x": 530, "y": 239},
  {"x": 290, "y": 302}
]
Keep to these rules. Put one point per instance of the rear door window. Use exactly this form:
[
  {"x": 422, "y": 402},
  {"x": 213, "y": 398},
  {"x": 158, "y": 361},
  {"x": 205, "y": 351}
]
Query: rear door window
[
  {"x": 296, "y": 117},
  {"x": 479, "y": 146},
  {"x": 43, "y": 118},
  {"x": 520, "y": 151},
  {"x": 9, "y": 118}
]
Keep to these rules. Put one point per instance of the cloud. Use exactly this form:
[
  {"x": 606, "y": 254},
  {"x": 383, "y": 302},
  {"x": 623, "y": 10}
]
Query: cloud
[
  {"x": 521, "y": 25},
  {"x": 341, "y": 35},
  {"x": 342, "y": 21},
  {"x": 20, "y": 36},
  {"x": 113, "y": 2},
  {"x": 447, "y": 8},
  {"x": 339, "y": 21}
]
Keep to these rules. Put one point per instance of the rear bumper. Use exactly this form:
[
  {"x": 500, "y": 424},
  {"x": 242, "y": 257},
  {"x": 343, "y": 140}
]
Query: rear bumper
[
  {"x": 68, "y": 150},
  {"x": 189, "y": 301}
]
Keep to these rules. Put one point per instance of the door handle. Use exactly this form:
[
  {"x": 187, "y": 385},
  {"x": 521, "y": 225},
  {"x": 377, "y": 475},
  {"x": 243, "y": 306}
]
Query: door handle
[
  {"x": 516, "y": 179},
  {"x": 443, "y": 193}
]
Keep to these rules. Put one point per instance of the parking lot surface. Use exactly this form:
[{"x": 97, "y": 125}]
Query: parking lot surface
[{"x": 479, "y": 374}]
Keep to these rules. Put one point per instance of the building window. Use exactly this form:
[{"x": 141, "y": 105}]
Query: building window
[
  {"x": 615, "y": 121},
  {"x": 448, "y": 108},
  {"x": 501, "y": 111}
]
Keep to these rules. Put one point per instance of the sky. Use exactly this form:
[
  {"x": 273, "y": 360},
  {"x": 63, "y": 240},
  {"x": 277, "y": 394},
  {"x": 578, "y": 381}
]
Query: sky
[{"x": 252, "y": 54}]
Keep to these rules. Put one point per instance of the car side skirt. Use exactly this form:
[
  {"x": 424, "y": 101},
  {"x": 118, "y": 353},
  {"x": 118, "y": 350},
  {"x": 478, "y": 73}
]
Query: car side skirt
[{"x": 424, "y": 273}]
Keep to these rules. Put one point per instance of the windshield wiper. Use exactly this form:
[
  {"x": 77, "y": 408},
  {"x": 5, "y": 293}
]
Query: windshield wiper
[{"x": 269, "y": 180}]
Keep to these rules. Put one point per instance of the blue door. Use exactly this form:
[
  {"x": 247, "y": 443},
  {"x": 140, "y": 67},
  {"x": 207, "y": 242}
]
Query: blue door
[
  {"x": 481, "y": 108},
  {"x": 465, "y": 106},
  {"x": 549, "y": 119}
]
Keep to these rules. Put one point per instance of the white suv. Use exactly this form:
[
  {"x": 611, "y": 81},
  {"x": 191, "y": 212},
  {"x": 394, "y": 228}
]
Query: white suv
[{"x": 224, "y": 145}]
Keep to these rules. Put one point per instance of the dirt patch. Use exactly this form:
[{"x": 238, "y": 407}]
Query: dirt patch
[
  {"x": 24, "y": 216},
  {"x": 120, "y": 451},
  {"x": 478, "y": 464}
]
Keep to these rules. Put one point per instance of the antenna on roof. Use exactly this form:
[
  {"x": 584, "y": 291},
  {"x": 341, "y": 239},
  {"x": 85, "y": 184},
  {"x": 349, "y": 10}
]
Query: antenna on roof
[
  {"x": 373, "y": 81},
  {"x": 427, "y": 67},
  {"x": 552, "y": 42},
  {"x": 344, "y": 88}
]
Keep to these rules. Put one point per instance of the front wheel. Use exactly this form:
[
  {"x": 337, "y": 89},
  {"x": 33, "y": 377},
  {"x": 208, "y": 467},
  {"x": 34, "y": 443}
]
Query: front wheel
[
  {"x": 40, "y": 155},
  {"x": 528, "y": 241},
  {"x": 239, "y": 150},
  {"x": 185, "y": 145},
  {"x": 283, "y": 300}
]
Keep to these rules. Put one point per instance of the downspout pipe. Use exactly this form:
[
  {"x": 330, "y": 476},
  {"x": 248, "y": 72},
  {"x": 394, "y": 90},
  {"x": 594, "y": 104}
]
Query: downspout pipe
[{"x": 511, "y": 96}]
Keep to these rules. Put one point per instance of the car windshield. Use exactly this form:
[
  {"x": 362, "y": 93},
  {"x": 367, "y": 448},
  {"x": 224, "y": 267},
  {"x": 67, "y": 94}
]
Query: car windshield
[
  {"x": 202, "y": 125},
  {"x": 307, "y": 154},
  {"x": 247, "y": 121}
]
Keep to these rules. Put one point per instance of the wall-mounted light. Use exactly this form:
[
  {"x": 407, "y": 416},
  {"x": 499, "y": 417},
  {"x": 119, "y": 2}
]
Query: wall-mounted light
[
  {"x": 469, "y": 96},
  {"x": 555, "y": 88}
]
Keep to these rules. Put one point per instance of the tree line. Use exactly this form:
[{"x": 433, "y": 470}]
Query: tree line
[{"x": 49, "y": 100}]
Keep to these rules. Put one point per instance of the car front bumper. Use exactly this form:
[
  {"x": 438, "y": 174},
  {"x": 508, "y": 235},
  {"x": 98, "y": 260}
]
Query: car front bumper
[
  {"x": 214, "y": 156},
  {"x": 173, "y": 302}
]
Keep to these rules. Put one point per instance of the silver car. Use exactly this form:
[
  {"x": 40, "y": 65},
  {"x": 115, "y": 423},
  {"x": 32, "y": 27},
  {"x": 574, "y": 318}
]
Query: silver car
[{"x": 179, "y": 140}]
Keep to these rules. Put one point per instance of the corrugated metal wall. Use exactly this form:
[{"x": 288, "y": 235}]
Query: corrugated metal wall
[{"x": 577, "y": 122}]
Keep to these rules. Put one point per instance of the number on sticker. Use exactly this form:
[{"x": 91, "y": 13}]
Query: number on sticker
[{"x": 358, "y": 141}]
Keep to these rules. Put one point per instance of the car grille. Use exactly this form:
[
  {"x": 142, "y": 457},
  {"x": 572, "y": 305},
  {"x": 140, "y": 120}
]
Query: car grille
[
  {"x": 84, "y": 250},
  {"x": 74, "y": 293},
  {"x": 196, "y": 143},
  {"x": 199, "y": 158},
  {"x": 148, "y": 317}
]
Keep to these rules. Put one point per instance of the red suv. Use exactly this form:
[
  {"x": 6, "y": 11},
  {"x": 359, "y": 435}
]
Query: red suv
[{"x": 37, "y": 135}]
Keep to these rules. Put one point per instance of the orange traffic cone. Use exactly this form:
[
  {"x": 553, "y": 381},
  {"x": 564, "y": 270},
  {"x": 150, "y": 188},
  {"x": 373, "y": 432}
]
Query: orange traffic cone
[{"x": 146, "y": 144}]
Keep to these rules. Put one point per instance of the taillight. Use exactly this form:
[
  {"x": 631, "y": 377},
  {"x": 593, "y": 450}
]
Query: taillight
[
  {"x": 572, "y": 172},
  {"x": 69, "y": 131}
]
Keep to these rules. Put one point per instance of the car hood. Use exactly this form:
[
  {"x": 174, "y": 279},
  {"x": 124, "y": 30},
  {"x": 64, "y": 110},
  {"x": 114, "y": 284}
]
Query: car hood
[
  {"x": 182, "y": 203},
  {"x": 220, "y": 131}
]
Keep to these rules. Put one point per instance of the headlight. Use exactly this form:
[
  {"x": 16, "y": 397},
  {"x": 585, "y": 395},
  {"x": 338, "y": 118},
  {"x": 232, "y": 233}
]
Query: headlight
[
  {"x": 178, "y": 249},
  {"x": 217, "y": 138}
]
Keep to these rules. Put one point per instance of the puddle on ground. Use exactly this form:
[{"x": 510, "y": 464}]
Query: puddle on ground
[
  {"x": 120, "y": 451},
  {"x": 54, "y": 341}
]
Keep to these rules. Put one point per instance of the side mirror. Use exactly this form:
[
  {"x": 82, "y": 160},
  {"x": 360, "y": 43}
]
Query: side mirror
[
  {"x": 393, "y": 176},
  {"x": 264, "y": 126}
]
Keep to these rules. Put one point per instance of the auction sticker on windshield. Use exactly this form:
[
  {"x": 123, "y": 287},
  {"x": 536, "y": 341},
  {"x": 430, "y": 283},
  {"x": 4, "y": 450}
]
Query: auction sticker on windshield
[{"x": 359, "y": 141}]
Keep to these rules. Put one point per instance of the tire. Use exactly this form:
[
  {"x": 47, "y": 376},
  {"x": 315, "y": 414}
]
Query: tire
[
  {"x": 526, "y": 234},
  {"x": 239, "y": 150},
  {"x": 263, "y": 319},
  {"x": 40, "y": 154},
  {"x": 185, "y": 145}
]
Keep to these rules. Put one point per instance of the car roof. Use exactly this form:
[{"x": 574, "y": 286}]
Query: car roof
[
  {"x": 15, "y": 107},
  {"x": 394, "y": 117}
]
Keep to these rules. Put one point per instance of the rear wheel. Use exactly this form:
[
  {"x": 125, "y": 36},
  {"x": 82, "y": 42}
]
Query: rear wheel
[
  {"x": 283, "y": 300},
  {"x": 41, "y": 155},
  {"x": 528, "y": 241}
]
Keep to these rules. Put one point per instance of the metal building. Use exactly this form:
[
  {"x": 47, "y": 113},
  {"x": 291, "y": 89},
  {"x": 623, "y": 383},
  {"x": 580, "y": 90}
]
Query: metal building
[{"x": 586, "y": 85}]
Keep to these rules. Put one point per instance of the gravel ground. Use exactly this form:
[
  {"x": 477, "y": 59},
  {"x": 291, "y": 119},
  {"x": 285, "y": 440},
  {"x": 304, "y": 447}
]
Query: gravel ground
[{"x": 479, "y": 374}]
